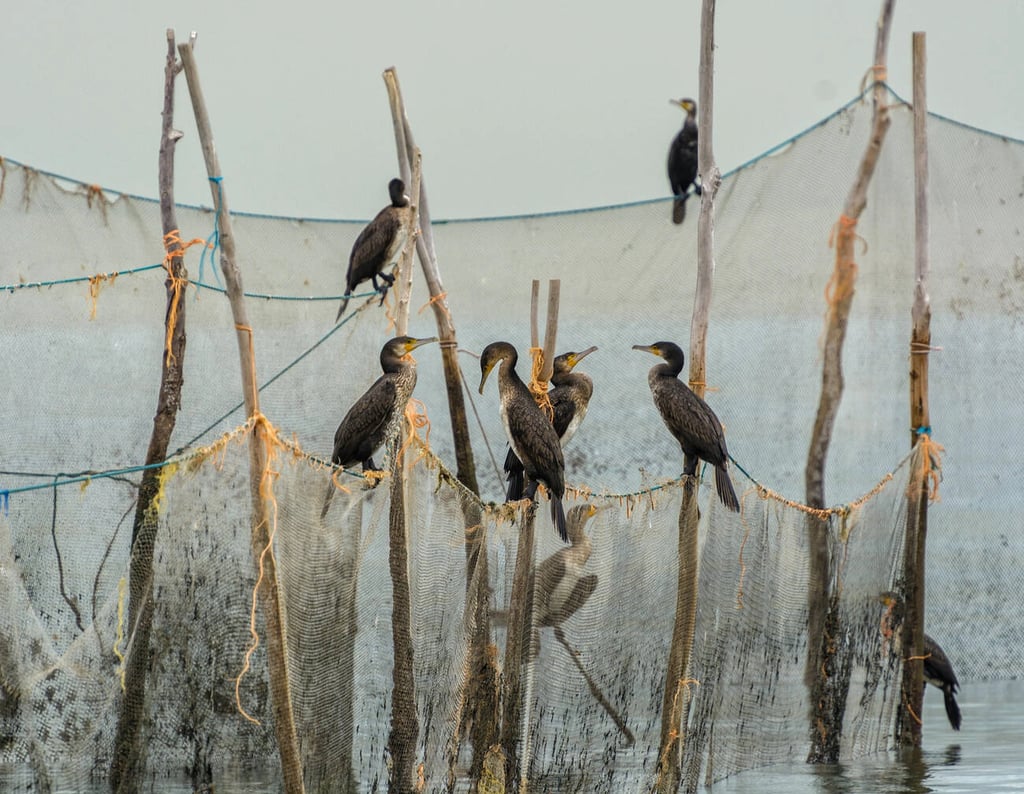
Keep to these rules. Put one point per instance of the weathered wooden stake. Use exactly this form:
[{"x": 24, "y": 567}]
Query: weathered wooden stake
[
  {"x": 827, "y": 670},
  {"x": 908, "y": 727},
  {"x": 128, "y": 765},
  {"x": 676, "y": 694},
  {"x": 273, "y": 609}
]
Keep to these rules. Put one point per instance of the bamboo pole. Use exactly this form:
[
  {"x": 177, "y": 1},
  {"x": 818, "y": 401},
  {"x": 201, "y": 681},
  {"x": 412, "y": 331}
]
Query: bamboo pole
[
  {"x": 827, "y": 670},
  {"x": 676, "y": 693},
  {"x": 128, "y": 762},
  {"x": 481, "y": 713},
  {"x": 517, "y": 649},
  {"x": 404, "y": 734},
  {"x": 273, "y": 608},
  {"x": 909, "y": 728},
  {"x": 465, "y": 467}
]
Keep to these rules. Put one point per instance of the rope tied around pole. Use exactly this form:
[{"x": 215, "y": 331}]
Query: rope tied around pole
[
  {"x": 539, "y": 388},
  {"x": 930, "y": 467},
  {"x": 213, "y": 241},
  {"x": 174, "y": 246}
]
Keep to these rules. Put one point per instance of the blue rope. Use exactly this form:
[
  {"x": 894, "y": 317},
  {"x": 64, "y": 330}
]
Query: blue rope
[
  {"x": 214, "y": 235},
  {"x": 75, "y": 280},
  {"x": 5, "y": 501},
  {"x": 924, "y": 430}
]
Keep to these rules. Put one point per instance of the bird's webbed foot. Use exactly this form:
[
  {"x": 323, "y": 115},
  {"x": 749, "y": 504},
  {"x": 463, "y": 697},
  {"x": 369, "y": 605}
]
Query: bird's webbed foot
[
  {"x": 697, "y": 189},
  {"x": 372, "y": 473}
]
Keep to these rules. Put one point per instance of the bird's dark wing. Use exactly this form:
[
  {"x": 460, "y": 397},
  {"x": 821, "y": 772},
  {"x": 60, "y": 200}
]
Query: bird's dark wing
[
  {"x": 514, "y": 476},
  {"x": 536, "y": 444},
  {"x": 360, "y": 432},
  {"x": 371, "y": 246},
  {"x": 937, "y": 667},
  {"x": 564, "y": 409},
  {"x": 690, "y": 419},
  {"x": 549, "y": 575}
]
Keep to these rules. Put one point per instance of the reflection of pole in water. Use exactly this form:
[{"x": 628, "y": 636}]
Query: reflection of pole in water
[{"x": 562, "y": 588}]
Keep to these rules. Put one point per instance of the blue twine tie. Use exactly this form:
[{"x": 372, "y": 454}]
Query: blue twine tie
[{"x": 213, "y": 241}]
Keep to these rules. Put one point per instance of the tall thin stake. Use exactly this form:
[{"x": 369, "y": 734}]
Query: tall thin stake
[
  {"x": 481, "y": 710},
  {"x": 827, "y": 671},
  {"x": 676, "y": 694},
  {"x": 273, "y": 608},
  {"x": 909, "y": 728},
  {"x": 128, "y": 763},
  {"x": 404, "y": 734}
]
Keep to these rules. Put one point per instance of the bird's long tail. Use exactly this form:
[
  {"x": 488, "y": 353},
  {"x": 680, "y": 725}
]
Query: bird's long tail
[
  {"x": 558, "y": 517},
  {"x": 515, "y": 475},
  {"x": 952, "y": 709},
  {"x": 679, "y": 208},
  {"x": 723, "y": 484},
  {"x": 344, "y": 303}
]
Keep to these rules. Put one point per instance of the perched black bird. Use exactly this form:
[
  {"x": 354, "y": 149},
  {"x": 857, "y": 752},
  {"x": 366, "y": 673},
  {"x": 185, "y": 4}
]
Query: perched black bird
[
  {"x": 938, "y": 670},
  {"x": 682, "y": 160},
  {"x": 569, "y": 397},
  {"x": 530, "y": 434},
  {"x": 689, "y": 419},
  {"x": 375, "y": 417},
  {"x": 561, "y": 585},
  {"x": 379, "y": 244},
  {"x": 939, "y": 673}
]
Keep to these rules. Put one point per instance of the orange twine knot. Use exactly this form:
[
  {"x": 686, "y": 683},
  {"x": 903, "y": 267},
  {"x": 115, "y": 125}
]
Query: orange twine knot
[
  {"x": 930, "y": 472},
  {"x": 539, "y": 388},
  {"x": 175, "y": 247},
  {"x": 95, "y": 284}
]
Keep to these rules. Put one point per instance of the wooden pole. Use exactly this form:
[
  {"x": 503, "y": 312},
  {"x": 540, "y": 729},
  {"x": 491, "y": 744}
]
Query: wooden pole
[
  {"x": 127, "y": 770},
  {"x": 404, "y": 734},
  {"x": 259, "y": 479},
  {"x": 465, "y": 466},
  {"x": 481, "y": 713},
  {"x": 827, "y": 670},
  {"x": 676, "y": 693},
  {"x": 909, "y": 728}
]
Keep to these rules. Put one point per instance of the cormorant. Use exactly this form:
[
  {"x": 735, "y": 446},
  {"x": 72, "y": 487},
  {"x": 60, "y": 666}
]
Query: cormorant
[
  {"x": 530, "y": 434},
  {"x": 939, "y": 673},
  {"x": 376, "y": 416},
  {"x": 689, "y": 419},
  {"x": 379, "y": 244},
  {"x": 569, "y": 397},
  {"x": 938, "y": 670},
  {"x": 682, "y": 160},
  {"x": 561, "y": 586}
]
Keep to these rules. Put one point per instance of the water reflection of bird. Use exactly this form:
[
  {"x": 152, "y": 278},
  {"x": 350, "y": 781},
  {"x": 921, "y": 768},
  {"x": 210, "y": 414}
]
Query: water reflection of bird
[
  {"x": 689, "y": 419},
  {"x": 938, "y": 670},
  {"x": 569, "y": 397},
  {"x": 530, "y": 434},
  {"x": 375, "y": 417},
  {"x": 561, "y": 586},
  {"x": 682, "y": 160},
  {"x": 379, "y": 244}
]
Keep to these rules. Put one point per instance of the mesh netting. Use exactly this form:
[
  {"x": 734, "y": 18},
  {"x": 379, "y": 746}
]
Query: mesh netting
[{"x": 82, "y": 359}]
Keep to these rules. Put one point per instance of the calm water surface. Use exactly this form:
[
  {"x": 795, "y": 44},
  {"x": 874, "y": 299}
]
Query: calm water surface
[{"x": 987, "y": 755}]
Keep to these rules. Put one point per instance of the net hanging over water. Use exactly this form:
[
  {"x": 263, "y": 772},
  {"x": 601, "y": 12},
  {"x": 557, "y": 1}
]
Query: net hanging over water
[{"x": 83, "y": 336}]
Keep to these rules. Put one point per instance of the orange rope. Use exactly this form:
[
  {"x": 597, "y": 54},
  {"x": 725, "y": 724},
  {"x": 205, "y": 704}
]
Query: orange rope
[
  {"x": 272, "y": 445},
  {"x": 539, "y": 388},
  {"x": 95, "y": 284},
  {"x": 930, "y": 471},
  {"x": 175, "y": 247}
]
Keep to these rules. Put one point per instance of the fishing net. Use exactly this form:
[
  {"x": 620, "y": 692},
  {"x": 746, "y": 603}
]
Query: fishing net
[{"x": 83, "y": 306}]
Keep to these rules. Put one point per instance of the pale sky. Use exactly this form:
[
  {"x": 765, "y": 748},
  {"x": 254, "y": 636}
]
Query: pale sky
[{"x": 519, "y": 108}]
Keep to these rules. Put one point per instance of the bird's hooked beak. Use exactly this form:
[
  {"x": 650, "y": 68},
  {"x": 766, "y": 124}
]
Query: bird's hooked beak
[
  {"x": 648, "y": 349},
  {"x": 412, "y": 344},
  {"x": 576, "y": 358},
  {"x": 486, "y": 367}
]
